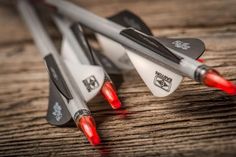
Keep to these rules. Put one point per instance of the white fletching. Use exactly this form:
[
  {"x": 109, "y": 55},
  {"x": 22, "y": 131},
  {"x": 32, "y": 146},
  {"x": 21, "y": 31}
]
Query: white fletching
[
  {"x": 89, "y": 78},
  {"x": 159, "y": 79},
  {"x": 115, "y": 52}
]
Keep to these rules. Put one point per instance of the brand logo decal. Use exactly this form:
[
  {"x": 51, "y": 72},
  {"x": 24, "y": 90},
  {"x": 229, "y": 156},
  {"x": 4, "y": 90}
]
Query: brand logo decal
[
  {"x": 57, "y": 111},
  {"x": 182, "y": 45},
  {"x": 91, "y": 83},
  {"x": 162, "y": 81}
]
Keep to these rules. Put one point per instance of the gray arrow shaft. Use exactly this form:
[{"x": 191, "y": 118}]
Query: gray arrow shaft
[
  {"x": 47, "y": 47},
  {"x": 64, "y": 27},
  {"x": 186, "y": 67}
]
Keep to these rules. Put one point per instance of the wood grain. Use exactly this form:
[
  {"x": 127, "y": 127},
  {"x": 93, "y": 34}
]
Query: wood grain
[{"x": 194, "y": 121}]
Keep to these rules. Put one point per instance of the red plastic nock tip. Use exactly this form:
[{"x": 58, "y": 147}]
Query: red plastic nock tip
[
  {"x": 213, "y": 79},
  {"x": 109, "y": 93},
  {"x": 87, "y": 125},
  {"x": 200, "y": 60}
]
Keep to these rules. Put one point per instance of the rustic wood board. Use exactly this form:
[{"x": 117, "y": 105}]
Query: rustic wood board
[{"x": 194, "y": 121}]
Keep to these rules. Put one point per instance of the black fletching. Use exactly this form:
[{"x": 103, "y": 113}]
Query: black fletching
[
  {"x": 128, "y": 19},
  {"x": 57, "y": 113}
]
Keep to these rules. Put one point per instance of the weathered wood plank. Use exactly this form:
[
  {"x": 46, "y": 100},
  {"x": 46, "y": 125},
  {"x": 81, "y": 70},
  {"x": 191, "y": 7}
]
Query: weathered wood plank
[
  {"x": 158, "y": 15},
  {"x": 194, "y": 121}
]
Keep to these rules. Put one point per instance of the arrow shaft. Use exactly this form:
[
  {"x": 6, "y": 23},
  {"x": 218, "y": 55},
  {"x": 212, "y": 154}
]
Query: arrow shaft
[
  {"x": 47, "y": 48},
  {"x": 187, "y": 67},
  {"x": 64, "y": 27}
]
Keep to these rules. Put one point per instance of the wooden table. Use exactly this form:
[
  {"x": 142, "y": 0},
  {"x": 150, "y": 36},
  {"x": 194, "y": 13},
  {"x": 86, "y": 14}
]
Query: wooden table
[{"x": 194, "y": 121}]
